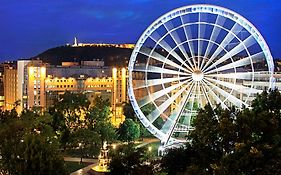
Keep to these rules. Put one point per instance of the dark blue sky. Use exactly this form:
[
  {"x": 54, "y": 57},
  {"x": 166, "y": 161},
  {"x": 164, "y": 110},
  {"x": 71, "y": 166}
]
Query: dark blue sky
[{"x": 32, "y": 26}]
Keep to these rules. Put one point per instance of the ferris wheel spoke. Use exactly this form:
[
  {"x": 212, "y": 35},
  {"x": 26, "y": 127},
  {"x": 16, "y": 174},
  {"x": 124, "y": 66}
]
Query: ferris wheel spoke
[
  {"x": 215, "y": 32},
  {"x": 151, "y": 97},
  {"x": 241, "y": 75},
  {"x": 241, "y": 46},
  {"x": 158, "y": 81},
  {"x": 147, "y": 52},
  {"x": 217, "y": 27},
  {"x": 187, "y": 33},
  {"x": 199, "y": 44},
  {"x": 171, "y": 122},
  {"x": 201, "y": 94},
  {"x": 156, "y": 38},
  {"x": 228, "y": 38},
  {"x": 258, "y": 57},
  {"x": 235, "y": 75},
  {"x": 159, "y": 70},
  {"x": 160, "y": 109},
  {"x": 238, "y": 88},
  {"x": 214, "y": 95},
  {"x": 206, "y": 95},
  {"x": 177, "y": 41},
  {"x": 228, "y": 96},
  {"x": 190, "y": 110}
]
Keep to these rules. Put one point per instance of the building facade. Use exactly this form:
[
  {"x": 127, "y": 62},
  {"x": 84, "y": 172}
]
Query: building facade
[
  {"x": 35, "y": 84},
  {"x": 10, "y": 86}
]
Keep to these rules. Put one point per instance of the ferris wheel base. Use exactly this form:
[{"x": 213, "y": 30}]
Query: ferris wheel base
[{"x": 164, "y": 148}]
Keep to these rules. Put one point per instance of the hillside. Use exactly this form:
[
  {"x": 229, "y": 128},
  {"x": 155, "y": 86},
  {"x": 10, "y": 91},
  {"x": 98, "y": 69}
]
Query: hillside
[{"x": 112, "y": 56}]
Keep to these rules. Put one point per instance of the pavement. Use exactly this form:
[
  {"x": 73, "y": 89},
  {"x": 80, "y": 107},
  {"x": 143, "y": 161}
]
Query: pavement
[
  {"x": 77, "y": 159},
  {"x": 147, "y": 141},
  {"x": 84, "y": 170}
]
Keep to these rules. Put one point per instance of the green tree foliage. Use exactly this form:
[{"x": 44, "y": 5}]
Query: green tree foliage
[
  {"x": 129, "y": 113},
  {"x": 129, "y": 131},
  {"x": 28, "y": 145},
  {"x": 233, "y": 142},
  {"x": 76, "y": 121},
  {"x": 98, "y": 119},
  {"x": 69, "y": 111},
  {"x": 127, "y": 160},
  {"x": 89, "y": 140}
]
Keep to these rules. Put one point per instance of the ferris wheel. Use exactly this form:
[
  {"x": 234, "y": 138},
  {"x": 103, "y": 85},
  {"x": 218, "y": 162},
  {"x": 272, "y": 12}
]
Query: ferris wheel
[{"x": 193, "y": 56}]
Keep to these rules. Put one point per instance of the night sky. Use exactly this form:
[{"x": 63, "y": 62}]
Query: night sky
[{"x": 29, "y": 27}]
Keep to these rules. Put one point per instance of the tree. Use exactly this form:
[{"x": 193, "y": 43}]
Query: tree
[
  {"x": 128, "y": 111},
  {"x": 129, "y": 131},
  {"x": 233, "y": 142},
  {"x": 73, "y": 115},
  {"x": 28, "y": 145},
  {"x": 98, "y": 119},
  {"x": 39, "y": 156},
  {"x": 88, "y": 141},
  {"x": 69, "y": 111},
  {"x": 129, "y": 160}
]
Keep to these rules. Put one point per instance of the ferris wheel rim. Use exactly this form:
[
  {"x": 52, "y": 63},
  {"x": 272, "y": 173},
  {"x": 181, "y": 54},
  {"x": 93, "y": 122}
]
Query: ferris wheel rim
[{"x": 240, "y": 20}]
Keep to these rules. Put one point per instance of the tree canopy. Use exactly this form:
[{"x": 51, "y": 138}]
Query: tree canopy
[
  {"x": 28, "y": 145},
  {"x": 129, "y": 131},
  {"x": 233, "y": 142}
]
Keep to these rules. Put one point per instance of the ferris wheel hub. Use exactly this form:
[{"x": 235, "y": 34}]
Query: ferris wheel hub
[{"x": 197, "y": 75}]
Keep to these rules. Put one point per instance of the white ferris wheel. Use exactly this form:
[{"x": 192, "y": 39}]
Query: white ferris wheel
[{"x": 193, "y": 56}]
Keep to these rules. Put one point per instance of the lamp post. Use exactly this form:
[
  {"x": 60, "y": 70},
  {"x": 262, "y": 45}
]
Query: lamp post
[{"x": 80, "y": 147}]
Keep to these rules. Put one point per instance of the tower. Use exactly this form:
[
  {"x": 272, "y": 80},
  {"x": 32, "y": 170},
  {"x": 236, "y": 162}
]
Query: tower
[{"x": 75, "y": 42}]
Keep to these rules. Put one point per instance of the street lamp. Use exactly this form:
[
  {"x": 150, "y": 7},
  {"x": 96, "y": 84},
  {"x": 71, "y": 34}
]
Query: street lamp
[{"x": 114, "y": 146}]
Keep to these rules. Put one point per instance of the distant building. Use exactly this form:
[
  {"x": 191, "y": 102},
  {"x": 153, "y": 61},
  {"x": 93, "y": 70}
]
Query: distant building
[
  {"x": 34, "y": 84},
  {"x": 10, "y": 86},
  {"x": 2, "y": 101},
  {"x": 77, "y": 44},
  {"x": 21, "y": 85}
]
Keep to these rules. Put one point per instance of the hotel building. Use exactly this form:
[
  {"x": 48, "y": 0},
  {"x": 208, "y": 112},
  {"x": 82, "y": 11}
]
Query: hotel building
[{"x": 35, "y": 84}]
